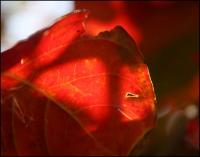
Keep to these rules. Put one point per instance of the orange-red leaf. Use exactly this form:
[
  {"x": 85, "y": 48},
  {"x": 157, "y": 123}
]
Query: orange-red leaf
[{"x": 74, "y": 94}]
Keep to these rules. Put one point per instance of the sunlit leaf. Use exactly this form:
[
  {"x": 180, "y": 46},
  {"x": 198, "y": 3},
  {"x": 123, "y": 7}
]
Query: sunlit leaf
[{"x": 73, "y": 94}]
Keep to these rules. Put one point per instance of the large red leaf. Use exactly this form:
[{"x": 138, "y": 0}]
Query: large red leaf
[{"x": 73, "y": 94}]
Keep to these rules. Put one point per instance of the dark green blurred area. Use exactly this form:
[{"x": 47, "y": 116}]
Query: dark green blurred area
[{"x": 175, "y": 65}]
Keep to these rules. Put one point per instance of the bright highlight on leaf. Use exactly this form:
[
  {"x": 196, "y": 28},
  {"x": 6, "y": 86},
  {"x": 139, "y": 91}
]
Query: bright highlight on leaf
[{"x": 67, "y": 93}]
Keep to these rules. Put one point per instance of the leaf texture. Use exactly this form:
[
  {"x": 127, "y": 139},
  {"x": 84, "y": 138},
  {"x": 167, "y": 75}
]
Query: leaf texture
[{"x": 73, "y": 94}]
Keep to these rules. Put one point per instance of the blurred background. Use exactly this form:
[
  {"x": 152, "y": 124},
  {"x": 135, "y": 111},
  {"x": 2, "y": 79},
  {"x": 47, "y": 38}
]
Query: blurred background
[{"x": 168, "y": 35}]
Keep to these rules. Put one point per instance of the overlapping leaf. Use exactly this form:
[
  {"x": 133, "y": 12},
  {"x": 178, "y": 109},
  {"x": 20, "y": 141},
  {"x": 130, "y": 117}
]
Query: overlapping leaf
[{"x": 71, "y": 94}]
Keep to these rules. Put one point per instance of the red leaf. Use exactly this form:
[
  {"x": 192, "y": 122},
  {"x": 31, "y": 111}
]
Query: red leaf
[{"x": 77, "y": 95}]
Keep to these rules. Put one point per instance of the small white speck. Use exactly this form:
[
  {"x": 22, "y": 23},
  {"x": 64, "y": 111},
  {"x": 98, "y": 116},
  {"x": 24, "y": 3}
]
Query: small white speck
[
  {"x": 131, "y": 95},
  {"x": 22, "y": 61}
]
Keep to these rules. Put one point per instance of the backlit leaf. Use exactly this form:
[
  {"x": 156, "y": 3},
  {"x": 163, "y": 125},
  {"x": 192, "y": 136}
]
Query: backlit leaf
[{"x": 73, "y": 94}]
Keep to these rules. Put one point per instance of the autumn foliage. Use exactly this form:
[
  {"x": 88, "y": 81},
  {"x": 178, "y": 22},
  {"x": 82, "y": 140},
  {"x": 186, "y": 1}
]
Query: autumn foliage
[{"x": 65, "y": 92}]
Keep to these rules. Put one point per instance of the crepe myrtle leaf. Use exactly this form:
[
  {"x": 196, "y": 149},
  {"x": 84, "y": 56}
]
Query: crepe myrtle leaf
[{"x": 76, "y": 94}]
